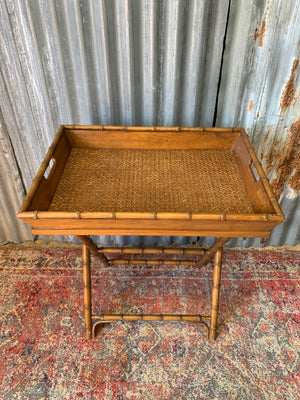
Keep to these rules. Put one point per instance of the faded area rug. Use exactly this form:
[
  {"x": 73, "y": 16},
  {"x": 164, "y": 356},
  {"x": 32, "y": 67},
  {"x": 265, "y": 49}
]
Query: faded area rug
[{"x": 44, "y": 354}]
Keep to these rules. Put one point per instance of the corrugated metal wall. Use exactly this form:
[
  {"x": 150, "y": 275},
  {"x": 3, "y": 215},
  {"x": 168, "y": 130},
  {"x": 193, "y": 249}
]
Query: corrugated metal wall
[
  {"x": 260, "y": 90},
  {"x": 142, "y": 62}
]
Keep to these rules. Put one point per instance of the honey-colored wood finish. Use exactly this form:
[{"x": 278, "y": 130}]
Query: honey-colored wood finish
[
  {"x": 35, "y": 209},
  {"x": 93, "y": 249},
  {"x": 218, "y": 245},
  {"x": 215, "y": 294},
  {"x": 152, "y": 139},
  {"x": 44, "y": 207},
  {"x": 92, "y": 321},
  {"x": 111, "y": 318},
  {"x": 87, "y": 291},
  {"x": 161, "y": 251}
]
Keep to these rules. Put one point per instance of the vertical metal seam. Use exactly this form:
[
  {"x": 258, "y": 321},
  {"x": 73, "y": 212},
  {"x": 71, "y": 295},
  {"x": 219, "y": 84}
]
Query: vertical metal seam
[{"x": 221, "y": 65}]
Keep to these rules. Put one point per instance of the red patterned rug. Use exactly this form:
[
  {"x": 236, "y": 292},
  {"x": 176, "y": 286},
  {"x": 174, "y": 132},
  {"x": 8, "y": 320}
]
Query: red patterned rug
[{"x": 44, "y": 354}]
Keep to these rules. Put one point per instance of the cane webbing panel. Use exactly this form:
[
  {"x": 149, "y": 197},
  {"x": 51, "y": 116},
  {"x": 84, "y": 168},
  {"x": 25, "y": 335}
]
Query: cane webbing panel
[{"x": 151, "y": 180}]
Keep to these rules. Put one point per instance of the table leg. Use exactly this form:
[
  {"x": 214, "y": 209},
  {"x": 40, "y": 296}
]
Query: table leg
[
  {"x": 215, "y": 294},
  {"x": 87, "y": 291}
]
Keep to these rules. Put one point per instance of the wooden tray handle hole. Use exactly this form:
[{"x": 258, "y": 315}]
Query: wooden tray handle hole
[
  {"x": 50, "y": 168},
  {"x": 254, "y": 172}
]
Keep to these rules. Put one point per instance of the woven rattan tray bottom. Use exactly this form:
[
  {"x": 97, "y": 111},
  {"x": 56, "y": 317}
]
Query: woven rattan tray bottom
[{"x": 151, "y": 180}]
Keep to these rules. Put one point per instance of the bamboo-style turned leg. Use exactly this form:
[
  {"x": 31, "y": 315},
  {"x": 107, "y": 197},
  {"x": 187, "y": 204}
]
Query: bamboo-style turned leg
[
  {"x": 215, "y": 294},
  {"x": 87, "y": 291}
]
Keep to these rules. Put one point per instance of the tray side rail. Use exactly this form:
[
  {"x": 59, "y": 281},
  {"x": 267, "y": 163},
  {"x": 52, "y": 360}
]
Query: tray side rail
[
  {"x": 44, "y": 184},
  {"x": 119, "y": 137},
  {"x": 257, "y": 184}
]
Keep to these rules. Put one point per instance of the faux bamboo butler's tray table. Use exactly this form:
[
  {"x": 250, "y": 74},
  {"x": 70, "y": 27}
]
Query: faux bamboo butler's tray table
[{"x": 112, "y": 180}]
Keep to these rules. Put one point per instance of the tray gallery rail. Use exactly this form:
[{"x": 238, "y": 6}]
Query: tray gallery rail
[{"x": 114, "y": 180}]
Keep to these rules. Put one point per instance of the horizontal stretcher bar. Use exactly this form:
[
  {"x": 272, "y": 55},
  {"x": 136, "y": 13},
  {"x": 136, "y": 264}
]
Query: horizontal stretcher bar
[
  {"x": 150, "y": 262},
  {"x": 105, "y": 318},
  {"x": 151, "y": 250}
]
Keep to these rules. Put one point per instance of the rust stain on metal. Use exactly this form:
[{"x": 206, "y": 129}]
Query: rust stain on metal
[
  {"x": 266, "y": 137},
  {"x": 260, "y": 34},
  {"x": 296, "y": 99},
  {"x": 257, "y": 115},
  {"x": 289, "y": 90},
  {"x": 271, "y": 156},
  {"x": 288, "y": 164},
  {"x": 250, "y": 109},
  {"x": 294, "y": 181}
]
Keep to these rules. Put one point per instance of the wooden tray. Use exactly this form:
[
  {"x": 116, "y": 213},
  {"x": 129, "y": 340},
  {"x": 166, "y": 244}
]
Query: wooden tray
[{"x": 113, "y": 180}]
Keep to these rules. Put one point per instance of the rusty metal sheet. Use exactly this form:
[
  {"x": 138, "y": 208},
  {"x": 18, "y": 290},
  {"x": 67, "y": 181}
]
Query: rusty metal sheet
[{"x": 260, "y": 91}]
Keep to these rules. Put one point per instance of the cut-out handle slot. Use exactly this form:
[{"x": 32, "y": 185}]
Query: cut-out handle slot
[
  {"x": 50, "y": 168},
  {"x": 254, "y": 172}
]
